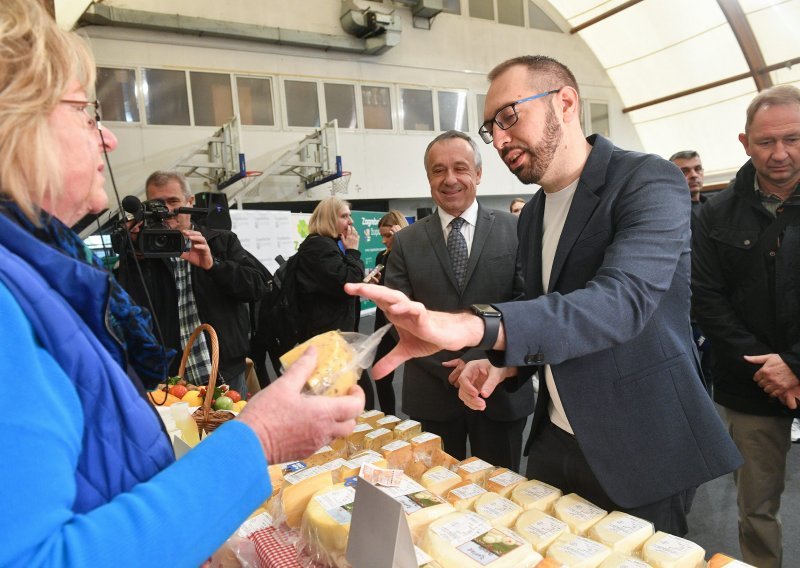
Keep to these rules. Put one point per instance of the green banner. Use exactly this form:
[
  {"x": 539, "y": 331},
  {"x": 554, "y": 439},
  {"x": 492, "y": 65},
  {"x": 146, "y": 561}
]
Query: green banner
[{"x": 369, "y": 243}]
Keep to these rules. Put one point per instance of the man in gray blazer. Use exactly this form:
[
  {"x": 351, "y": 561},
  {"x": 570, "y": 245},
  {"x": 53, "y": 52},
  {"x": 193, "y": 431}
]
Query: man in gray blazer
[
  {"x": 622, "y": 417},
  {"x": 427, "y": 265}
]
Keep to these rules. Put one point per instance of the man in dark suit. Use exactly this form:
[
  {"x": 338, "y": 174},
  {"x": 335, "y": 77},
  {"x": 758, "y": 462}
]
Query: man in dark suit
[
  {"x": 622, "y": 417},
  {"x": 422, "y": 266}
]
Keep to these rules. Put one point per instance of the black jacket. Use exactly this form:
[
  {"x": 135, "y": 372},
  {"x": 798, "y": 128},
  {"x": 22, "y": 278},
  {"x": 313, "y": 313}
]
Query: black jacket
[
  {"x": 322, "y": 272},
  {"x": 746, "y": 293},
  {"x": 222, "y": 294}
]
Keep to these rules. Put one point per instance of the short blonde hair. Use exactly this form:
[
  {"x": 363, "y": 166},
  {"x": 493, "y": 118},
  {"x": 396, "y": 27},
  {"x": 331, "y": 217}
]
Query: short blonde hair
[
  {"x": 323, "y": 219},
  {"x": 393, "y": 218},
  {"x": 777, "y": 95},
  {"x": 38, "y": 63}
]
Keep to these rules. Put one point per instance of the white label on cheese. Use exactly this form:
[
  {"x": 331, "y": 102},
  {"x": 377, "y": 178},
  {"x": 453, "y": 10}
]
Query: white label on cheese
[
  {"x": 440, "y": 474},
  {"x": 362, "y": 427},
  {"x": 257, "y": 523},
  {"x": 388, "y": 420},
  {"x": 323, "y": 449},
  {"x": 468, "y": 491},
  {"x": 336, "y": 498},
  {"x": 396, "y": 445},
  {"x": 582, "y": 548},
  {"x": 379, "y": 432},
  {"x": 463, "y": 529},
  {"x": 333, "y": 464},
  {"x": 405, "y": 425},
  {"x": 538, "y": 491},
  {"x": 475, "y": 466},
  {"x": 424, "y": 437},
  {"x": 546, "y": 527},
  {"x": 370, "y": 413},
  {"x": 380, "y": 476},
  {"x": 507, "y": 478},
  {"x": 633, "y": 563},
  {"x": 490, "y": 546},
  {"x": 299, "y": 476},
  {"x": 497, "y": 508},
  {"x": 673, "y": 546},
  {"x": 584, "y": 511},
  {"x": 624, "y": 526},
  {"x": 422, "y": 558},
  {"x": 366, "y": 457},
  {"x": 413, "y": 502},
  {"x": 407, "y": 485}
]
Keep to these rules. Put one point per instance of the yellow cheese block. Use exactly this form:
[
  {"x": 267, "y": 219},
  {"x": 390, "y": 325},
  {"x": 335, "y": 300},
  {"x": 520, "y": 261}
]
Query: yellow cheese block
[
  {"x": 539, "y": 529},
  {"x": 442, "y": 458},
  {"x": 420, "y": 505},
  {"x": 423, "y": 445},
  {"x": 664, "y": 550},
  {"x": 376, "y": 439},
  {"x": 398, "y": 454},
  {"x": 355, "y": 439},
  {"x": 622, "y": 560},
  {"x": 407, "y": 429},
  {"x": 321, "y": 456},
  {"x": 578, "y": 513},
  {"x": 499, "y": 511},
  {"x": 535, "y": 494},
  {"x": 370, "y": 417},
  {"x": 577, "y": 552},
  {"x": 353, "y": 466},
  {"x": 439, "y": 480},
  {"x": 464, "y": 495},
  {"x": 503, "y": 480},
  {"x": 622, "y": 532},
  {"x": 415, "y": 470},
  {"x": 326, "y": 524},
  {"x": 721, "y": 560},
  {"x": 279, "y": 470},
  {"x": 466, "y": 540},
  {"x": 335, "y": 467},
  {"x": 297, "y": 491},
  {"x": 389, "y": 421},
  {"x": 475, "y": 470},
  {"x": 336, "y": 370}
]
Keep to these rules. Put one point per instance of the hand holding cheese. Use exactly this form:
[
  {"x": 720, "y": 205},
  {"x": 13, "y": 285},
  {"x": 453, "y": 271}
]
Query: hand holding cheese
[{"x": 291, "y": 425}]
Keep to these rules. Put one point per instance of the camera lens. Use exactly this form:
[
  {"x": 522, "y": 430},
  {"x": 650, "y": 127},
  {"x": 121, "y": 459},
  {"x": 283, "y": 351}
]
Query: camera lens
[{"x": 161, "y": 241}]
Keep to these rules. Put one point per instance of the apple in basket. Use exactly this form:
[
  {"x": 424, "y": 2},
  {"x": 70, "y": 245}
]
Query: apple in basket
[{"x": 223, "y": 403}]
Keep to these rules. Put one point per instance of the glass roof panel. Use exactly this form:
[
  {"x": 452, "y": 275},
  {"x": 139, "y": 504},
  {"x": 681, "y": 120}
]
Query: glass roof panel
[
  {"x": 776, "y": 28},
  {"x": 578, "y": 11}
]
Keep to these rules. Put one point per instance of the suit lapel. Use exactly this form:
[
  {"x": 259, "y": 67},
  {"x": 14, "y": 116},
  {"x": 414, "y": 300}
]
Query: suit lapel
[
  {"x": 433, "y": 228},
  {"x": 531, "y": 247},
  {"x": 483, "y": 227}
]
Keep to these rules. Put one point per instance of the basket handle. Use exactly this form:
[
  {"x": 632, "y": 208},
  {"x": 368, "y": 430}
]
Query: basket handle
[{"x": 214, "y": 351}]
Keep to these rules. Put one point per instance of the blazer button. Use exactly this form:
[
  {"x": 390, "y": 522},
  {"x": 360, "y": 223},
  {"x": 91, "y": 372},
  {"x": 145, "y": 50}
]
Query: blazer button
[
  {"x": 529, "y": 359},
  {"x": 538, "y": 358}
]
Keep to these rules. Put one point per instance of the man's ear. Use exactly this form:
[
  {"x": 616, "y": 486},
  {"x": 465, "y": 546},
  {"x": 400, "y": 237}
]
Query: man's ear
[
  {"x": 745, "y": 143},
  {"x": 569, "y": 102},
  {"x": 478, "y": 174},
  {"x": 190, "y": 201}
]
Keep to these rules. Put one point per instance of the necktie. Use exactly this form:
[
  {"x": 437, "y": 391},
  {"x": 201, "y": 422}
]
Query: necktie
[{"x": 457, "y": 249}]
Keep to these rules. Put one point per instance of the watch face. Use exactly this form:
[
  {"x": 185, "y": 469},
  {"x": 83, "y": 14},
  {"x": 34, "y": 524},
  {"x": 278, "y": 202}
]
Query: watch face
[{"x": 486, "y": 310}]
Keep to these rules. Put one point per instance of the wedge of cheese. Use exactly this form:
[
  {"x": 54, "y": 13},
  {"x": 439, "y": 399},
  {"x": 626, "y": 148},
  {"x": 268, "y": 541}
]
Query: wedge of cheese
[
  {"x": 297, "y": 490},
  {"x": 355, "y": 439},
  {"x": 352, "y": 466},
  {"x": 475, "y": 470},
  {"x": 439, "y": 480},
  {"x": 503, "y": 480},
  {"x": 622, "y": 532},
  {"x": 420, "y": 505},
  {"x": 664, "y": 550},
  {"x": 335, "y": 372},
  {"x": 370, "y": 417},
  {"x": 376, "y": 439},
  {"x": 464, "y": 495},
  {"x": 407, "y": 429},
  {"x": 622, "y": 560},
  {"x": 466, "y": 540},
  {"x": 389, "y": 421},
  {"x": 499, "y": 511},
  {"x": 321, "y": 456},
  {"x": 578, "y": 513},
  {"x": 539, "y": 529},
  {"x": 577, "y": 552},
  {"x": 326, "y": 523},
  {"x": 535, "y": 494},
  {"x": 398, "y": 454},
  {"x": 723, "y": 561},
  {"x": 423, "y": 446}
]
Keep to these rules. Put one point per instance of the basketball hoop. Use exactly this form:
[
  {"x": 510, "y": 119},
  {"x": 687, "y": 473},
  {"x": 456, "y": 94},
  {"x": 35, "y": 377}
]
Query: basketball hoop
[{"x": 339, "y": 185}]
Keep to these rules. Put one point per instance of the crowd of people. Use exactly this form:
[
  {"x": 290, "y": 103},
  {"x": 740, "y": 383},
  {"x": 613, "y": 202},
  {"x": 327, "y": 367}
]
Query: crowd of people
[{"x": 587, "y": 305}]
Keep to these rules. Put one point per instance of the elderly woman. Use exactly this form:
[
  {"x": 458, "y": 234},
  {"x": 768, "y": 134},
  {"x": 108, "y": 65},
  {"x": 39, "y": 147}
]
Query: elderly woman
[
  {"x": 89, "y": 475},
  {"x": 328, "y": 259}
]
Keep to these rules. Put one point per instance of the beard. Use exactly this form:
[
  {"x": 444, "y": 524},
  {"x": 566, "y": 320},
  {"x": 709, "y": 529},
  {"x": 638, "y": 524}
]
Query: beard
[{"x": 541, "y": 155}]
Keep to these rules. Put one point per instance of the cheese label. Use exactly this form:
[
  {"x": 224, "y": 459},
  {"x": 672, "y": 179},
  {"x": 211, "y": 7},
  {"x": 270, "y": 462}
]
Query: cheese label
[
  {"x": 414, "y": 502},
  {"x": 633, "y": 563},
  {"x": 407, "y": 485},
  {"x": 406, "y": 425},
  {"x": 546, "y": 527},
  {"x": 338, "y": 503},
  {"x": 370, "y": 414},
  {"x": 538, "y": 491},
  {"x": 379, "y": 432},
  {"x": 331, "y": 465},
  {"x": 440, "y": 474},
  {"x": 582, "y": 548},
  {"x": 299, "y": 476},
  {"x": 468, "y": 491},
  {"x": 507, "y": 478},
  {"x": 475, "y": 466},
  {"x": 673, "y": 546},
  {"x": 491, "y": 546},
  {"x": 380, "y": 476},
  {"x": 396, "y": 445},
  {"x": 496, "y": 508},
  {"x": 388, "y": 420},
  {"x": 362, "y": 427},
  {"x": 462, "y": 529},
  {"x": 626, "y": 525},
  {"x": 584, "y": 511},
  {"x": 424, "y": 437},
  {"x": 366, "y": 457},
  {"x": 292, "y": 467}
]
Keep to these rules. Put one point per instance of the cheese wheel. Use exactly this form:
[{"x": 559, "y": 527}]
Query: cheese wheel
[
  {"x": 370, "y": 417},
  {"x": 622, "y": 532},
  {"x": 464, "y": 495},
  {"x": 407, "y": 429},
  {"x": 398, "y": 454},
  {"x": 577, "y": 512},
  {"x": 336, "y": 370},
  {"x": 389, "y": 421},
  {"x": 578, "y": 552},
  {"x": 499, "y": 511},
  {"x": 326, "y": 523},
  {"x": 420, "y": 505},
  {"x": 539, "y": 529},
  {"x": 664, "y": 550},
  {"x": 622, "y": 560},
  {"x": 535, "y": 494},
  {"x": 297, "y": 491},
  {"x": 503, "y": 480},
  {"x": 719, "y": 560},
  {"x": 376, "y": 439},
  {"x": 475, "y": 470},
  {"x": 466, "y": 540},
  {"x": 439, "y": 480}
]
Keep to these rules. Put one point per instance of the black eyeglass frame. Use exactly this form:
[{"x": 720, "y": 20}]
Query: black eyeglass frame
[
  {"x": 485, "y": 131},
  {"x": 94, "y": 120}
]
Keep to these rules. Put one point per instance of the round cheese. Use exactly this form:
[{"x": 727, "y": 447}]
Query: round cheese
[
  {"x": 622, "y": 532},
  {"x": 439, "y": 480},
  {"x": 664, "y": 550},
  {"x": 535, "y": 494},
  {"x": 577, "y": 512},
  {"x": 326, "y": 523},
  {"x": 539, "y": 529},
  {"x": 499, "y": 511}
]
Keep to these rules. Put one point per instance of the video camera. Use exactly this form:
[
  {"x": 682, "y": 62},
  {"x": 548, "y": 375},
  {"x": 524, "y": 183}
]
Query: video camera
[{"x": 156, "y": 239}]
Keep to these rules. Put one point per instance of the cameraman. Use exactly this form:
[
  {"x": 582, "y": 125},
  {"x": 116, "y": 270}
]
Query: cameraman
[{"x": 210, "y": 283}]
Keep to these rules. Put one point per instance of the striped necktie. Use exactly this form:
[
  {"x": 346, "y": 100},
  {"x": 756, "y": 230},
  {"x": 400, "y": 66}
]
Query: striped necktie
[{"x": 457, "y": 249}]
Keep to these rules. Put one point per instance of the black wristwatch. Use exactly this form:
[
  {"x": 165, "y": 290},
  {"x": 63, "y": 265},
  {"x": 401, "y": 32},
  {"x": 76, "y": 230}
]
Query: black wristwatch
[{"x": 491, "y": 322}]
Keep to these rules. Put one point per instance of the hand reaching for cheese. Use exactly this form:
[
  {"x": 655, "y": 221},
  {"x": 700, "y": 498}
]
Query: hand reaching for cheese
[{"x": 292, "y": 425}]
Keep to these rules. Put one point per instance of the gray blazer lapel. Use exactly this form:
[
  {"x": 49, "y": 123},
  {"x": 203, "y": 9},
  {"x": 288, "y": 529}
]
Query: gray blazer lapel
[
  {"x": 483, "y": 228},
  {"x": 433, "y": 228}
]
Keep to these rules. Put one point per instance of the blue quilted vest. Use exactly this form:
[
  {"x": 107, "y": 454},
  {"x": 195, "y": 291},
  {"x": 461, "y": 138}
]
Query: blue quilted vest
[{"x": 65, "y": 301}]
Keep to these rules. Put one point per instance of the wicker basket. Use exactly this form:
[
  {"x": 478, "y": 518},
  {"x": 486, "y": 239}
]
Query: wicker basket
[{"x": 207, "y": 420}]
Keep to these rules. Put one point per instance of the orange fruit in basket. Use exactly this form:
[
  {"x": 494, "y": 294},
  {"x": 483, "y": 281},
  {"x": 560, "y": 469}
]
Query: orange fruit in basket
[{"x": 161, "y": 398}]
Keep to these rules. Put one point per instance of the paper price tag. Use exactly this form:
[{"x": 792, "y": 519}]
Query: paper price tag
[{"x": 380, "y": 476}]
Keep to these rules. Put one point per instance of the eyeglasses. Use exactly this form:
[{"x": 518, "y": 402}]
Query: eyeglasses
[
  {"x": 91, "y": 108},
  {"x": 507, "y": 117}
]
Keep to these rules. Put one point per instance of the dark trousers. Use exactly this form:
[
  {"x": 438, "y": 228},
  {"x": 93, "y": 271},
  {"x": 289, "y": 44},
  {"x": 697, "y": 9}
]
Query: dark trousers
[
  {"x": 498, "y": 443},
  {"x": 556, "y": 458}
]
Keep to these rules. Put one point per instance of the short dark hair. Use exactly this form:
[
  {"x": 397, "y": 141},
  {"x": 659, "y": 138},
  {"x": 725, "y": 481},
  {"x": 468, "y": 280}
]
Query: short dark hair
[
  {"x": 448, "y": 135},
  {"x": 684, "y": 155},
  {"x": 546, "y": 72}
]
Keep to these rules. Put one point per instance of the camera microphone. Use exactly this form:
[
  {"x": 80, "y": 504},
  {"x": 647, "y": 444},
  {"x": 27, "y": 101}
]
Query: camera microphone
[{"x": 132, "y": 204}]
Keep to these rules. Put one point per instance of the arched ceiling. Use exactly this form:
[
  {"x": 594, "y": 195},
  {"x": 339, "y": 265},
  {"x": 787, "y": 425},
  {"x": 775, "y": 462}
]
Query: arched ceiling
[{"x": 686, "y": 69}]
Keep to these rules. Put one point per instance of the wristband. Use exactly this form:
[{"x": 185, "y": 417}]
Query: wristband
[{"x": 491, "y": 324}]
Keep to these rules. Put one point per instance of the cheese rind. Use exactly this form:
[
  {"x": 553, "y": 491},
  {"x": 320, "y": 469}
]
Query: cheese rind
[
  {"x": 664, "y": 550},
  {"x": 423, "y": 446},
  {"x": 622, "y": 532},
  {"x": 535, "y": 494},
  {"x": 719, "y": 560},
  {"x": 577, "y": 552},
  {"x": 499, "y": 511},
  {"x": 398, "y": 454},
  {"x": 539, "y": 529},
  {"x": 502, "y": 481},
  {"x": 297, "y": 491},
  {"x": 439, "y": 480},
  {"x": 578, "y": 513}
]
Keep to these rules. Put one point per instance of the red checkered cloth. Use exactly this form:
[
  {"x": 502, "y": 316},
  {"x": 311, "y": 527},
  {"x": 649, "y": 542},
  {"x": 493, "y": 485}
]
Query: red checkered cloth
[{"x": 271, "y": 553}]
